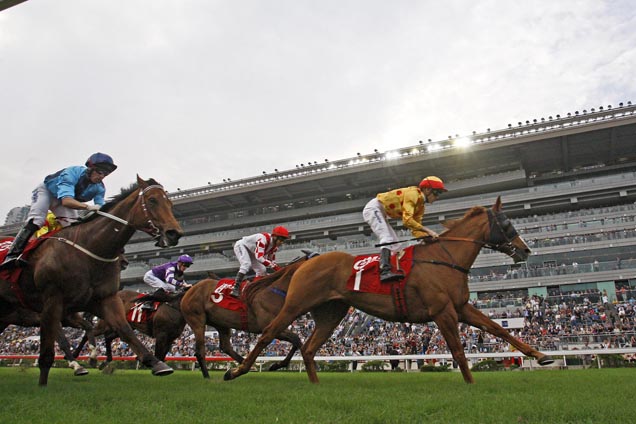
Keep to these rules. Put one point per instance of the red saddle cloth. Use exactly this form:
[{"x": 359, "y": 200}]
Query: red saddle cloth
[
  {"x": 222, "y": 296},
  {"x": 137, "y": 314},
  {"x": 12, "y": 275},
  {"x": 365, "y": 275}
]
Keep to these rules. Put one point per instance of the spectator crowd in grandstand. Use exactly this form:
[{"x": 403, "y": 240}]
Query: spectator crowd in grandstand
[{"x": 560, "y": 321}]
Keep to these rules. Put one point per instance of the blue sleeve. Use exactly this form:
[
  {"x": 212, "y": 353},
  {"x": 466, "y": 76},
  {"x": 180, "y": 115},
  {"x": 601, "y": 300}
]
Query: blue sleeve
[{"x": 67, "y": 180}]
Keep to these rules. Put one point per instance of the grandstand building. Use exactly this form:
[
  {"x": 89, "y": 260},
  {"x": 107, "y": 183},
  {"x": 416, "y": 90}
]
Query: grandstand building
[{"x": 567, "y": 182}]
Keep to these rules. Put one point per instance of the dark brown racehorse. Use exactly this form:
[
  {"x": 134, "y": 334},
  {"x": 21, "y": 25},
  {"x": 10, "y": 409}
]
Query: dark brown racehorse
[
  {"x": 263, "y": 298},
  {"x": 436, "y": 290},
  {"x": 165, "y": 325},
  {"x": 26, "y": 318},
  {"x": 77, "y": 269}
]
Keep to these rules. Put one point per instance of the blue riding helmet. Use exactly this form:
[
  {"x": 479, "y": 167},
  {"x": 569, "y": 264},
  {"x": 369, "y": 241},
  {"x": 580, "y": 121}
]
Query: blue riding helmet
[{"x": 101, "y": 162}]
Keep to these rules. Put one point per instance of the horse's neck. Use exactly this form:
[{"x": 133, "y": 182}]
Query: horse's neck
[
  {"x": 104, "y": 236},
  {"x": 463, "y": 253}
]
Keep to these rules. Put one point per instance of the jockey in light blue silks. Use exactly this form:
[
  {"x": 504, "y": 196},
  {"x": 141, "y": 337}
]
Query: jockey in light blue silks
[{"x": 64, "y": 193}]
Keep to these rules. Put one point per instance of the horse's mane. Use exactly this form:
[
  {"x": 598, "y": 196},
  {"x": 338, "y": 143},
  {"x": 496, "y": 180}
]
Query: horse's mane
[
  {"x": 116, "y": 199},
  {"x": 262, "y": 283},
  {"x": 474, "y": 211}
]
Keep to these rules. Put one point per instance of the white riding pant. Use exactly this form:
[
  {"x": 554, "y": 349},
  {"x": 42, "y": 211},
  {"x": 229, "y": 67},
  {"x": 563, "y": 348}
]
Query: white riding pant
[
  {"x": 375, "y": 215},
  {"x": 247, "y": 260},
  {"x": 153, "y": 281},
  {"x": 42, "y": 200}
]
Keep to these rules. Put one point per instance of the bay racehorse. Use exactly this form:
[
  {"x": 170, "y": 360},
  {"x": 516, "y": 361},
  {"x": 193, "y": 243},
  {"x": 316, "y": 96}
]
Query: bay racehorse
[
  {"x": 263, "y": 299},
  {"x": 78, "y": 269},
  {"x": 435, "y": 290},
  {"x": 164, "y": 325}
]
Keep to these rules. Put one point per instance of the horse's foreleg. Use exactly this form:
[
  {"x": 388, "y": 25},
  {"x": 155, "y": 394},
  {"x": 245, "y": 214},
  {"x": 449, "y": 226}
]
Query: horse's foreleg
[
  {"x": 50, "y": 326},
  {"x": 292, "y": 338},
  {"x": 109, "y": 336},
  {"x": 471, "y": 315},
  {"x": 163, "y": 344},
  {"x": 197, "y": 324},
  {"x": 282, "y": 320},
  {"x": 447, "y": 322},
  {"x": 326, "y": 318},
  {"x": 225, "y": 343},
  {"x": 115, "y": 317}
]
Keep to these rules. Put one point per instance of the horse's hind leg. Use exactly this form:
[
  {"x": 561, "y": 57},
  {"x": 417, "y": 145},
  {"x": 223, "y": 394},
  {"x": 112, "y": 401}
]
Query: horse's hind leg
[
  {"x": 65, "y": 346},
  {"x": 447, "y": 322},
  {"x": 326, "y": 317},
  {"x": 471, "y": 315}
]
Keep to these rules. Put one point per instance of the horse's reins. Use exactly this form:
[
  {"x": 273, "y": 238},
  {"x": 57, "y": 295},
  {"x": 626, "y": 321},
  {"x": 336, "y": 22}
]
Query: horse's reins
[
  {"x": 155, "y": 234},
  {"x": 491, "y": 244}
]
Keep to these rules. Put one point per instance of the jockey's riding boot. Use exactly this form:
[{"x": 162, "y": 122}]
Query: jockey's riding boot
[
  {"x": 386, "y": 274},
  {"x": 236, "y": 291},
  {"x": 13, "y": 259}
]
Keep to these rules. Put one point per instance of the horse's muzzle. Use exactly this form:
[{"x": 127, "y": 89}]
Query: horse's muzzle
[{"x": 169, "y": 238}]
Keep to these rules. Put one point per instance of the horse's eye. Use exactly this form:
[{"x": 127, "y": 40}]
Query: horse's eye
[{"x": 152, "y": 202}]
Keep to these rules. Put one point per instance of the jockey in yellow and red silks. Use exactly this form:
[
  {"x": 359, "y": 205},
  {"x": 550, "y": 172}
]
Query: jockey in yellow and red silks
[{"x": 407, "y": 204}]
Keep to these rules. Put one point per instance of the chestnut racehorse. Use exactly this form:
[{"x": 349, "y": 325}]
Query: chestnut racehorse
[
  {"x": 78, "y": 269},
  {"x": 436, "y": 290},
  {"x": 263, "y": 297}
]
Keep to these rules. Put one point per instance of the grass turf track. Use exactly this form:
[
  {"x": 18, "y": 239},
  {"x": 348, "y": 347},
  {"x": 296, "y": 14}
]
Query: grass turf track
[{"x": 554, "y": 396}]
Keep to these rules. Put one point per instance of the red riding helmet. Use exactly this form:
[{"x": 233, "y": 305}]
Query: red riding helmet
[
  {"x": 280, "y": 232},
  {"x": 434, "y": 183}
]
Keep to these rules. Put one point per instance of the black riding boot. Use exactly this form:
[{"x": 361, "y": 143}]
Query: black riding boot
[
  {"x": 236, "y": 291},
  {"x": 17, "y": 247},
  {"x": 386, "y": 274}
]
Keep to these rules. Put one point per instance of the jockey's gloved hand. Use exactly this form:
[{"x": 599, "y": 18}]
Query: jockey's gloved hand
[{"x": 92, "y": 207}]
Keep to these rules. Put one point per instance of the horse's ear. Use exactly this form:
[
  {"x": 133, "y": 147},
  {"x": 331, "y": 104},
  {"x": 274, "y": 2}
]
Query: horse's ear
[
  {"x": 140, "y": 182},
  {"x": 497, "y": 206}
]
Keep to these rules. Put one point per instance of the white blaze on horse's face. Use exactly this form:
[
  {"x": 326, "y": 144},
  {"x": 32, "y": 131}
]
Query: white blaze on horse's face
[{"x": 521, "y": 251}]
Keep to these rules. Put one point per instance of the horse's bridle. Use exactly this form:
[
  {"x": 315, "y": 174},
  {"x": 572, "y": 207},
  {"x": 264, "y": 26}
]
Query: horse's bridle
[
  {"x": 151, "y": 229},
  {"x": 502, "y": 232}
]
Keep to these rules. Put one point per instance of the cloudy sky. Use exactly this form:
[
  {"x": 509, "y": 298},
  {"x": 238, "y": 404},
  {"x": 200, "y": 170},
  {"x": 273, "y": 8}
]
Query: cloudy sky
[{"x": 191, "y": 91}]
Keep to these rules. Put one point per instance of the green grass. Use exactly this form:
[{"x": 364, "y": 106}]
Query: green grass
[{"x": 572, "y": 396}]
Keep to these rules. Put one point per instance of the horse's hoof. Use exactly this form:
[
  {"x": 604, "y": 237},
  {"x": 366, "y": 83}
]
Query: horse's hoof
[
  {"x": 546, "y": 360},
  {"x": 92, "y": 363},
  {"x": 102, "y": 365},
  {"x": 80, "y": 371},
  {"x": 275, "y": 367},
  {"x": 161, "y": 369},
  {"x": 228, "y": 375}
]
